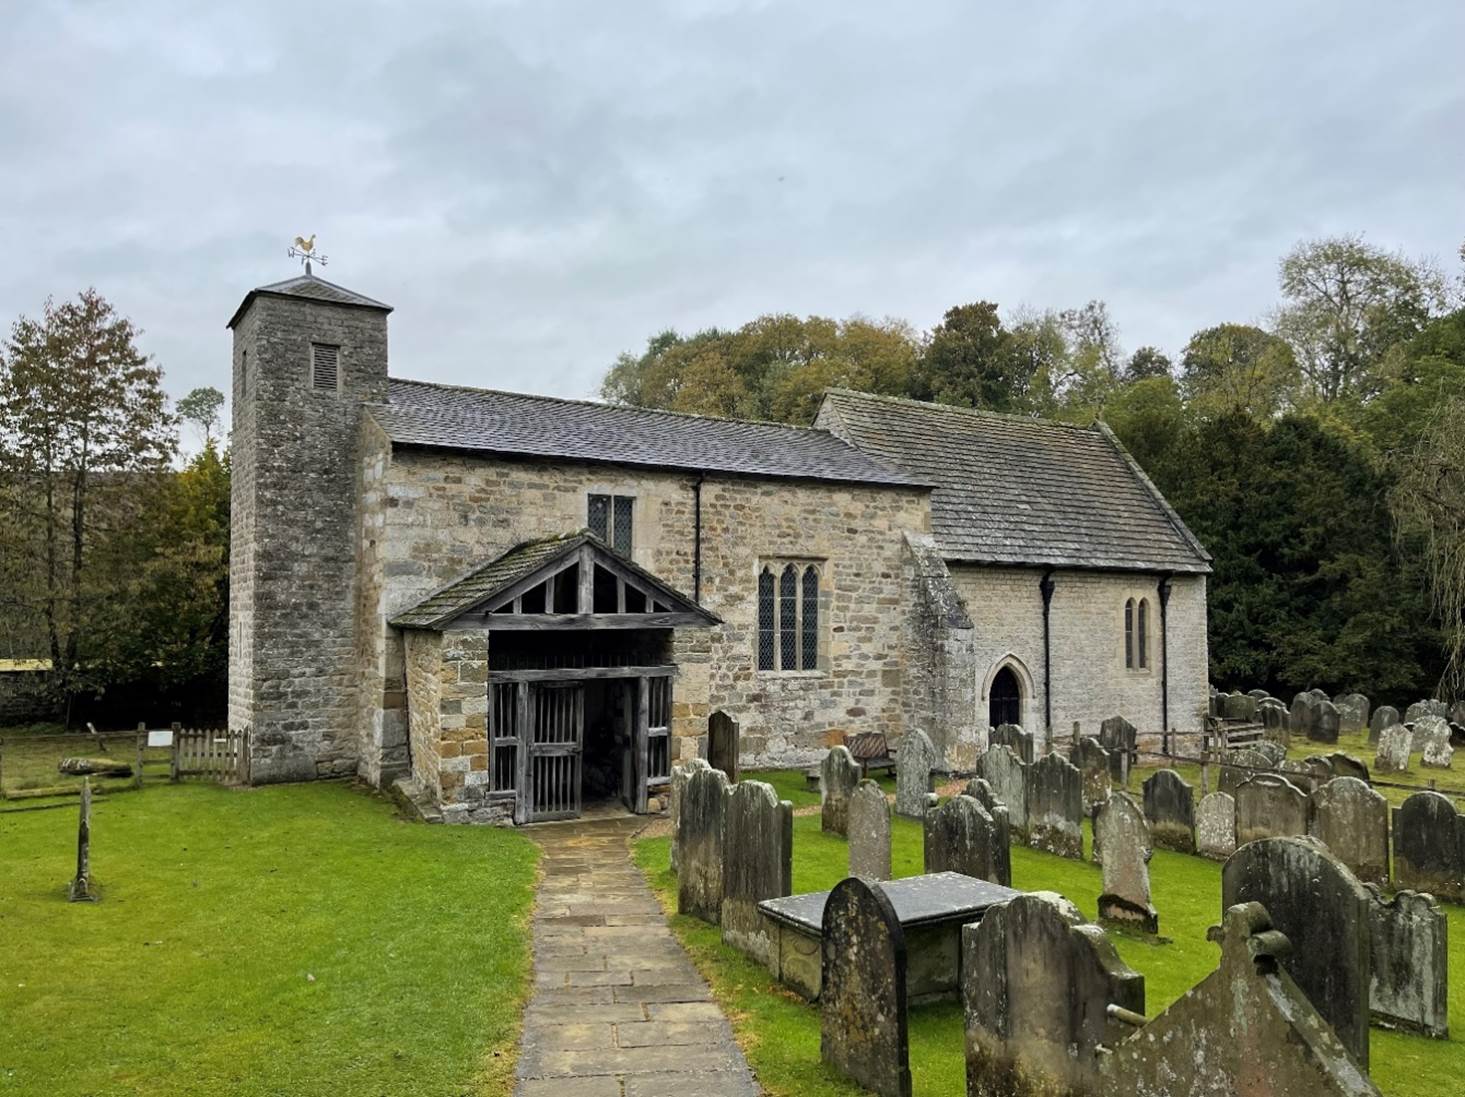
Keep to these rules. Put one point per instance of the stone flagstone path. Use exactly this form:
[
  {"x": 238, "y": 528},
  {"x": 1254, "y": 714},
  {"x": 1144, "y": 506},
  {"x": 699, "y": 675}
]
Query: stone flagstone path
[{"x": 618, "y": 1009}]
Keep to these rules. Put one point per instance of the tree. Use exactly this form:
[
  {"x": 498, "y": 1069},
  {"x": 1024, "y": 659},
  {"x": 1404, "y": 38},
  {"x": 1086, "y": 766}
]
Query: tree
[
  {"x": 1237, "y": 368},
  {"x": 969, "y": 360},
  {"x": 201, "y": 407},
  {"x": 85, "y": 437},
  {"x": 1347, "y": 304},
  {"x": 1146, "y": 362}
]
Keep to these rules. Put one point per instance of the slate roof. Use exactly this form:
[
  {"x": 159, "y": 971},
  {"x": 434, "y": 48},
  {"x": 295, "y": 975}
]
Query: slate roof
[
  {"x": 1014, "y": 490},
  {"x": 450, "y": 417},
  {"x": 311, "y": 288}
]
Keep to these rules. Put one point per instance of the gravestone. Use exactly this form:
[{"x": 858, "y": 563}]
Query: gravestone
[
  {"x": 1429, "y": 846},
  {"x": 1325, "y": 722},
  {"x": 1426, "y": 708},
  {"x": 699, "y": 842},
  {"x": 1352, "y": 820},
  {"x": 1004, "y": 771},
  {"x": 1384, "y": 716},
  {"x": 869, "y": 832},
  {"x": 1432, "y": 739},
  {"x": 1345, "y": 765},
  {"x": 839, "y": 773},
  {"x": 723, "y": 744},
  {"x": 1395, "y": 743},
  {"x": 1037, "y": 983},
  {"x": 679, "y": 777},
  {"x": 962, "y": 836},
  {"x": 1274, "y": 753},
  {"x": 1312, "y": 898},
  {"x": 1215, "y": 826},
  {"x": 1276, "y": 720},
  {"x": 81, "y": 889},
  {"x": 1427, "y": 727},
  {"x": 1319, "y": 694},
  {"x": 1258, "y": 694},
  {"x": 1409, "y": 988},
  {"x": 915, "y": 758},
  {"x": 1239, "y": 765},
  {"x": 1303, "y": 714},
  {"x": 1120, "y": 828},
  {"x": 1239, "y": 706},
  {"x": 1092, "y": 761},
  {"x": 1352, "y": 712},
  {"x": 862, "y": 1000},
  {"x": 1055, "y": 806},
  {"x": 1013, "y": 737},
  {"x": 757, "y": 864},
  {"x": 981, "y": 791},
  {"x": 1308, "y": 774},
  {"x": 1170, "y": 810},
  {"x": 1120, "y": 738},
  {"x": 1269, "y": 806}
]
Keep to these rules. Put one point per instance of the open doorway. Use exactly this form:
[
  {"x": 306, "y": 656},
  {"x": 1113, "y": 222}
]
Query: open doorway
[{"x": 609, "y": 777}]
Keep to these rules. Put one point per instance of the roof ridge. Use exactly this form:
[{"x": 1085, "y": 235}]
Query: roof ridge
[{"x": 979, "y": 413}]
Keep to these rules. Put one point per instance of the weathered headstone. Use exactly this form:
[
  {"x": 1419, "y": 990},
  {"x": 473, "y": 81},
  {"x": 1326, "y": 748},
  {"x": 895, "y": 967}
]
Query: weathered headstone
[
  {"x": 1429, "y": 846},
  {"x": 1345, "y": 765},
  {"x": 1037, "y": 983},
  {"x": 1426, "y": 708},
  {"x": 1395, "y": 743},
  {"x": 1055, "y": 806},
  {"x": 1239, "y": 706},
  {"x": 699, "y": 842},
  {"x": 1309, "y": 773},
  {"x": 1312, "y": 898},
  {"x": 1319, "y": 694},
  {"x": 1239, "y": 765},
  {"x": 1432, "y": 738},
  {"x": 680, "y": 774},
  {"x": 862, "y": 998},
  {"x": 81, "y": 890},
  {"x": 1352, "y": 712},
  {"x": 839, "y": 773},
  {"x": 1352, "y": 820},
  {"x": 962, "y": 836},
  {"x": 1019, "y": 741},
  {"x": 915, "y": 758},
  {"x": 1092, "y": 761},
  {"x": 1303, "y": 714},
  {"x": 1170, "y": 810},
  {"x": 1410, "y": 987},
  {"x": 1269, "y": 806},
  {"x": 757, "y": 864},
  {"x": 1121, "y": 739},
  {"x": 1258, "y": 694},
  {"x": 1384, "y": 716},
  {"x": 869, "y": 832},
  {"x": 1325, "y": 722},
  {"x": 1272, "y": 751},
  {"x": 1276, "y": 720},
  {"x": 1457, "y": 713},
  {"x": 1120, "y": 828},
  {"x": 980, "y": 790},
  {"x": 1007, "y": 775},
  {"x": 723, "y": 744},
  {"x": 1215, "y": 826}
]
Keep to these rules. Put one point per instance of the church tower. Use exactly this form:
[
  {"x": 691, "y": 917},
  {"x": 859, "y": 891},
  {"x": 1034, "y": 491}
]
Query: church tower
[{"x": 307, "y": 355}]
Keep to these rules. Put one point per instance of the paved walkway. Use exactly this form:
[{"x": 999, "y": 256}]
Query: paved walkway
[{"x": 618, "y": 1009}]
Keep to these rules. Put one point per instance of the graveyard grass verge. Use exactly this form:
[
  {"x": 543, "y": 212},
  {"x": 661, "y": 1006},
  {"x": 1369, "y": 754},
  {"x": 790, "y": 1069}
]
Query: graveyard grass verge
[
  {"x": 779, "y": 1032},
  {"x": 295, "y": 939}
]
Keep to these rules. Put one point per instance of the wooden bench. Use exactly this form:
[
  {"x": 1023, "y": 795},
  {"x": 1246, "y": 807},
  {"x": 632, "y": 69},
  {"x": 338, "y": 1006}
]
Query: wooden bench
[{"x": 870, "y": 752}]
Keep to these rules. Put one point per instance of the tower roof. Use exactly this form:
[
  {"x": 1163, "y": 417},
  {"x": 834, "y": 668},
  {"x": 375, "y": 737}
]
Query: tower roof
[{"x": 310, "y": 288}]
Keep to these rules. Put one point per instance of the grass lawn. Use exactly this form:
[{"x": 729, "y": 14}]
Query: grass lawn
[
  {"x": 780, "y": 1032},
  {"x": 290, "y": 940}
]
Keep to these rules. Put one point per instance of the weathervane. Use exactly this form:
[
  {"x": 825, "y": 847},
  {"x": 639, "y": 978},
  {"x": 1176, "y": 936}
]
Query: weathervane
[{"x": 304, "y": 250}]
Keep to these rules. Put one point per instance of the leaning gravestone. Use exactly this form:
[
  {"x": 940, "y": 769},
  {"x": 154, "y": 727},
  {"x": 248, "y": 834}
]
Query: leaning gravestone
[
  {"x": 1002, "y": 769},
  {"x": 757, "y": 864},
  {"x": 1012, "y": 736},
  {"x": 1395, "y": 743},
  {"x": 839, "y": 773},
  {"x": 1215, "y": 826},
  {"x": 1384, "y": 716},
  {"x": 1352, "y": 712},
  {"x": 862, "y": 998},
  {"x": 1429, "y": 846},
  {"x": 962, "y": 836},
  {"x": 915, "y": 758},
  {"x": 1055, "y": 806},
  {"x": 1239, "y": 765},
  {"x": 1307, "y": 774},
  {"x": 1170, "y": 810},
  {"x": 81, "y": 889},
  {"x": 699, "y": 842},
  {"x": 1269, "y": 806},
  {"x": 1121, "y": 739},
  {"x": 1092, "y": 761},
  {"x": 1410, "y": 985},
  {"x": 869, "y": 832},
  {"x": 1120, "y": 828},
  {"x": 1352, "y": 820},
  {"x": 1432, "y": 736},
  {"x": 1345, "y": 765},
  {"x": 1325, "y": 723},
  {"x": 1323, "y": 910}
]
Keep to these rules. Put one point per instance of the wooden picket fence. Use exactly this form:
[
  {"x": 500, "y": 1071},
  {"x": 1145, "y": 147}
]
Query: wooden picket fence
[{"x": 211, "y": 753}]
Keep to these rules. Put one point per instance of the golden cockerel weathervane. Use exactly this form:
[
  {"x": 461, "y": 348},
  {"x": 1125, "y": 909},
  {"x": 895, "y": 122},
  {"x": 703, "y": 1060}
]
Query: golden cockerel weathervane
[{"x": 304, "y": 250}]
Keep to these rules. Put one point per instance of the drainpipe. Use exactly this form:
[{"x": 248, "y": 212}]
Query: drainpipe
[
  {"x": 1164, "y": 591},
  {"x": 1045, "y": 586},
  {"x": 697, "y": 538}
]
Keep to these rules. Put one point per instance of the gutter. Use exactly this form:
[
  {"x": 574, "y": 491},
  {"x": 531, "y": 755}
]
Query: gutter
[
  {"x": 1164, "y": 592},
  {"x": 1046, "y": 587}
]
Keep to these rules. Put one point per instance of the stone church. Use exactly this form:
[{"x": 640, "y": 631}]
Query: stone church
[{"x": 523, "y": 606}]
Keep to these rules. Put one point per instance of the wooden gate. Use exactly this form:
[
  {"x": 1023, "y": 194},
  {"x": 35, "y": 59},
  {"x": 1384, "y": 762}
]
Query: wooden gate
[{"x": 556, "y": 741}]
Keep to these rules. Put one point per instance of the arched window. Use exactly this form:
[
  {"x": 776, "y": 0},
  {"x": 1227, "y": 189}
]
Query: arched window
[
  {"x": 810, "y": 610},
  {"x": 788, "y": 617},
  {"x": 1129, "y": 634},
  {"x": 1144, "y": 632},
  {"x": 766, "y": 637}
]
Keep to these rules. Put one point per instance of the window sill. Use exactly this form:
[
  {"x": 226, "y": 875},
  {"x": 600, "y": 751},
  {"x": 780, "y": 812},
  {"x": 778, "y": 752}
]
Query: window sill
[{"x": 791, "y": 673}]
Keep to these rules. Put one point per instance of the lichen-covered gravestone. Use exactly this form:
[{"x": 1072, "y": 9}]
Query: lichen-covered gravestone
[
  {"x": 1426, "y": 708},
  {"x": 1239, "y": 706},
  {"x": 1352, "y": 820},
  {"x": 1272, "y": 751},
  {"x": 699, "y": 842},
  {"x": 1409, "y": 988},
  {"x": 1384, "y": 716},
  {"x": 1170, "y": 810},
  {"x": 1269, "y": 806},
  {"x": 679, "y": 776},
  {"x": 1121, "y": 739},
  {"x": 757, "y": 864},
  {"x": 1352, "y": 712},
  {"x": 1429, "y": 846},
  {"x": 1013, "y": 737},
  {"x": 1395, "y": 743},
  {"x": 1433, "y": 738},
  {"x": 1004, "y": 771},
  {"x": 1325, "y": 723},
  {"x": 1239, "y": 765},
  {"x": 839, "y": 773},
  {"x": 869, "y": 832},
  {"x": 1092, "y": 761},
  {"x": 962, "y": 836},
  {"x": 1323, "y": 910},
  {"x": 1215, "y": 826},
  {"x": 1055, "y": 806},
  {"x": 862, "y": 1000},
  {"x": 915, "y": 758},
  {"x": 1120, "y": 828},
  {"x": 1276, "y": 719}
]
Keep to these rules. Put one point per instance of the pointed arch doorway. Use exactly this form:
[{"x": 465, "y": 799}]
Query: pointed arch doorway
[{"x": 1004, "y": 704}]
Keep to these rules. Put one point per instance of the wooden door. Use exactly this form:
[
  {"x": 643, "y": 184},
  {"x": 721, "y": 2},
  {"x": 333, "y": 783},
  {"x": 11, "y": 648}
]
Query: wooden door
[{"x": 556, "y": 742}]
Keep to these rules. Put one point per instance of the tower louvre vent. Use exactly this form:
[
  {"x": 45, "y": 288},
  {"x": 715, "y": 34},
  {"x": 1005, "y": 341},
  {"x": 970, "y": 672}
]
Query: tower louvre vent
[{"x": 324, "y": 367}]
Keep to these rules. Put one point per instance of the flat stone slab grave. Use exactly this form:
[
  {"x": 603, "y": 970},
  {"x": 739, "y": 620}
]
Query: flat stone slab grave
[
  {"x": 931, "y": 909},
  {"x": 618, "y": 1009}
]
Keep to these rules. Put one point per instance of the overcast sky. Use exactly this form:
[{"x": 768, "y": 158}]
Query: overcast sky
[{"x": 537, "y": 187}]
